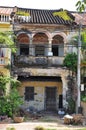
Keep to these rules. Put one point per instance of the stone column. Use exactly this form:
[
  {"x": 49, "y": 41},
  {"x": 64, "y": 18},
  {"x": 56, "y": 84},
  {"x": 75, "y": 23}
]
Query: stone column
[
  {"x": 30, "y": 47},
  {"x": 65, "y": 49},
  {"x": 50, "y": 46},
  {"x": 65, "y": 88}
]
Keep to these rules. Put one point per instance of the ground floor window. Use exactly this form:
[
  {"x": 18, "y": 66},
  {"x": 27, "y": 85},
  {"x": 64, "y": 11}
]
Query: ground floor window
[{"x": 29, "y": 93}]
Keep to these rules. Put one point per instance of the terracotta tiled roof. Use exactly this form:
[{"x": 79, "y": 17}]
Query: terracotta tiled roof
[
  {"x": 80, "y": 17},
  {"x": 5, "y": 11},
  {"x": 40, "y": 16}
]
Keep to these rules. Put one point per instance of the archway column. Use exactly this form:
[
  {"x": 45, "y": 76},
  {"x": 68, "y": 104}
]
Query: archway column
[
  {"x": 30, "y": 48},
  {"x": 49, "y": 48}
]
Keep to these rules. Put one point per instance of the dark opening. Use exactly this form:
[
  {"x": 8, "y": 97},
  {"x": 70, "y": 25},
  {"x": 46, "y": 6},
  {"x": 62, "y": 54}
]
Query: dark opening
[
  {"x": 50, "y": 98},
  {"x": 60, "y": 101},
  {"x": 29, "y": 93},
  {"x": 24, "y": 50},
  {"x": 55, "y": 50}
]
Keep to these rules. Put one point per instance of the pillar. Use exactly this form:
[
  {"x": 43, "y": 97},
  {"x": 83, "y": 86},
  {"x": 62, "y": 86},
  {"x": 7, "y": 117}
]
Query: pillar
[
  {"x": 31, "y": 49},
  {"x": 65, "y": 87},
  {"x": 48, "y": 50}
]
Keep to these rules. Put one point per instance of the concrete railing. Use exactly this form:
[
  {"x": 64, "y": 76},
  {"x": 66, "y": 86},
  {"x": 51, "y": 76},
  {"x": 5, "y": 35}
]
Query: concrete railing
[{"x": 41, "y": 60}]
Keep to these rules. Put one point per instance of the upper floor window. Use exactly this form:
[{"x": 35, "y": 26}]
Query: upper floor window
[
  {"x": 58, "y": 45},
  {"x": 58, "y": 50},
  {"x": 24, "y": 49},
  {"x": 39, "y": 50}
]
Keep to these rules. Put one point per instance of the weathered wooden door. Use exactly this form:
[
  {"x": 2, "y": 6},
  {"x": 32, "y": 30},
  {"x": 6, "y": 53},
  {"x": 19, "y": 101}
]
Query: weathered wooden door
[{"x": 50, "y": 100}]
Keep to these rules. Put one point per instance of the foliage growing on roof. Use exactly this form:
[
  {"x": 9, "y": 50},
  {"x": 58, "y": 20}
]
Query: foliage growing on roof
[
  {"x": 22, "y": 13},
  {"x": 63, "y": 14}
]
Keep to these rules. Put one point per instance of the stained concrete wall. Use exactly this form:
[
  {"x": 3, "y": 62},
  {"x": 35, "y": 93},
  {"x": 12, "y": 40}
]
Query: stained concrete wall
[{"x": 39, "y": 98}]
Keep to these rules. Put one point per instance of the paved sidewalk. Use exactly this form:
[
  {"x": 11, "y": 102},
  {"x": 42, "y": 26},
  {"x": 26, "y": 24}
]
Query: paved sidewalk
[{"x": 32, "y": 125}]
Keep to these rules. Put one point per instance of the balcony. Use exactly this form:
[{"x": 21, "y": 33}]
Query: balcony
[
  {"x": 42, "y": 61},
  {"x": 4, "y": 61}
]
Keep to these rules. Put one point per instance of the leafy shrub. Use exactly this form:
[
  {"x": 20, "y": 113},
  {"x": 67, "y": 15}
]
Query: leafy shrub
[
  {"x": 10, "y": 104},
  {"x": 71, "y": 106},
  {"x": 83, "y": 97}
]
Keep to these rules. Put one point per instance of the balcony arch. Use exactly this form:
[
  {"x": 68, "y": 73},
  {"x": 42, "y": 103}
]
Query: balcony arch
[
  {"x": 23, "y": 38},
  {"x": 61, "y": 34},
  {"x": 23, "y": 41},
  {"x": 40, "y": 42},
  {"x": 40, "y": 37}
]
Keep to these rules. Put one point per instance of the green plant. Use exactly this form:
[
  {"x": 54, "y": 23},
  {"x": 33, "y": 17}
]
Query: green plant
[
  {"x": 81, "y": 4},
  {"x": 83, "y": 129},
  {"x": 39, "y": 128},
  {"x": 9, "y": 104},
  {"x": 10, "y": 128},
  {"x": 70, "y": 61},
  {"x": 83, "y": 97},
  {"x": 71, "y": 106},
  {"x": 22, "y": 13},
  {"x": 63, "y": 14},
  {"x": 50, "y": 129},
  {"x": 3, "y": 81},
  {"x": 7, "y": 39}
]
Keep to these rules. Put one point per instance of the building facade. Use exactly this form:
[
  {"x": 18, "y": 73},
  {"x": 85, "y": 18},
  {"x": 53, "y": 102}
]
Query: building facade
[{"x": 42, "y": 43}]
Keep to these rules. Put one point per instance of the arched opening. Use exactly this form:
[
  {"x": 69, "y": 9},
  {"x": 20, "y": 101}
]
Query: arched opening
[
  {"x": 40, "y": 41},
  {"x": 58, "y": 45},
  {"x": 23, "y": 43}
]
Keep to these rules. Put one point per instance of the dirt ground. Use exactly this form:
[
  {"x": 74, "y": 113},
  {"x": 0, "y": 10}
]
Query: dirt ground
[{"x": 49, "y": 121}]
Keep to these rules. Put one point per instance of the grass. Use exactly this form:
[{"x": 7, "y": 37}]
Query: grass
[
  {"x": 83, "y": 129},
  {"x": 50, "y": 129},
  {"x": 42, "y": 128},
  {"x": 12, "y": 128}
]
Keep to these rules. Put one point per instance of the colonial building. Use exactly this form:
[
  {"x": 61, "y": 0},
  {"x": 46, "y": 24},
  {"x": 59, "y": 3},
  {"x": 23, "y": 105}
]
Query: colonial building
[
  {"x": 42, "y": 43},
  {"x": 5, "y": 53}
]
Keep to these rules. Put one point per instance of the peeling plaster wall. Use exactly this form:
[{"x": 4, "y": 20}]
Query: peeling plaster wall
[
  {"x": 62, "y": 87},
  {"x": 39, "y": 98}
]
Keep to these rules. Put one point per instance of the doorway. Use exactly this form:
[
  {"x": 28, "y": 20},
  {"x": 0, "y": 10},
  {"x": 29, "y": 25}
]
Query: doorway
[{"x": 50, "y": 100}]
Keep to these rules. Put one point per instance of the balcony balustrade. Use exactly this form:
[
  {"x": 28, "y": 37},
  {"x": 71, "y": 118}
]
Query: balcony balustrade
[{"x": 28, "y": 61}]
